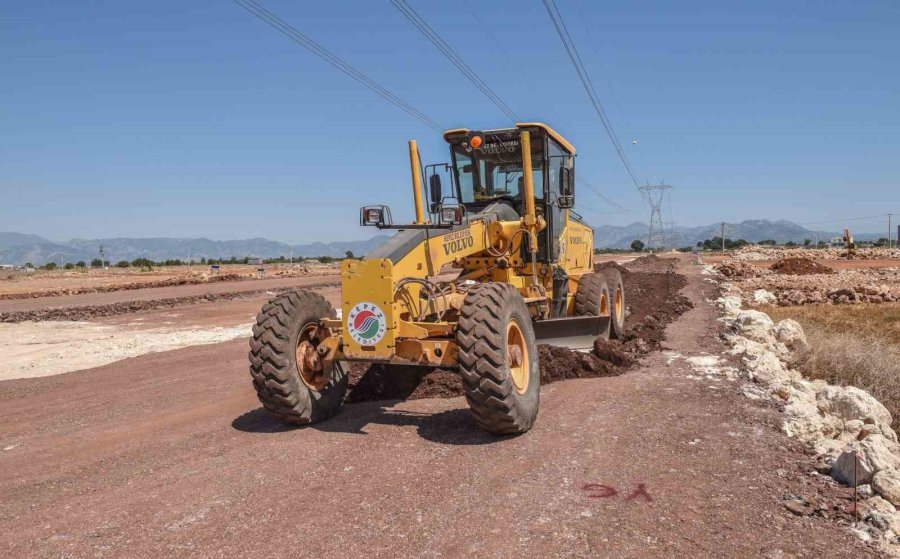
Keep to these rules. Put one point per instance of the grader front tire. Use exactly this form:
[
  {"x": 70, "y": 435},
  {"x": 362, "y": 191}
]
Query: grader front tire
[
  {"x": 283, "y": 365},
  {"x": 498, "y": 359}
]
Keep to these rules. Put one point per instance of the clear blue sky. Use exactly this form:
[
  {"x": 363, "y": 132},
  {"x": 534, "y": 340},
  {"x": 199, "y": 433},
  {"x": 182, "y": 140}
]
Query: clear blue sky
[{"x": 173, "y": 118}]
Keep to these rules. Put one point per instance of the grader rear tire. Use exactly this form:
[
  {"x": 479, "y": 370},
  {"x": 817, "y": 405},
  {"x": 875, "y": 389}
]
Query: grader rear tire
[
  {"x": 289, "y": 380},
  {"x": 592, "y": 297},
  {"x": 616, "y": 303},
  {"x": 498, "y": 359}
]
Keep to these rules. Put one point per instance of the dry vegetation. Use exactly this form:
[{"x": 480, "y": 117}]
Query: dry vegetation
[{"x": 852, "y": 345}]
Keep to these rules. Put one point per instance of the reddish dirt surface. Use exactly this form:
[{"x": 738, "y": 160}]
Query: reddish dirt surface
[
  {"x": 170, "y": 455},
  {"x": 800, "y": 267},
  {"x": 86, "y": 306}
]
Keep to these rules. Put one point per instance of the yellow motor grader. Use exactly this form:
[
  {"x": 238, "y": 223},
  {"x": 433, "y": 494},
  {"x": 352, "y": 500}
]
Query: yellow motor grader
[{"x": 489, "y": 268}]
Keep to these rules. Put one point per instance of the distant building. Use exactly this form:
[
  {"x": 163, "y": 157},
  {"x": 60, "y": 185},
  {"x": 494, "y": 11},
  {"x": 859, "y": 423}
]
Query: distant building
[
  {"x": 7, "y": 267},
  {"x": 255, "y": 260}
]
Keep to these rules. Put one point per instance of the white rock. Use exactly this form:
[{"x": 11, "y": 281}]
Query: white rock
[
  {"x": 730, "y": 304},
  {"x": 871, "y": 456},
  {"x": 850, "y": 402},
  {"x": 887, "y": 484},
  {"x": 881, "y": 505},
  {"x": 763, "y": 297},
  {"x": 852, "y": 469},
  {"x": 756, "y": 326},
  {"x": 790, "y": 335}
]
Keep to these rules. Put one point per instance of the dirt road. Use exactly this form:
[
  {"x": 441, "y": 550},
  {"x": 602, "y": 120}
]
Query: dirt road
[{"x": 170, "y": 455}]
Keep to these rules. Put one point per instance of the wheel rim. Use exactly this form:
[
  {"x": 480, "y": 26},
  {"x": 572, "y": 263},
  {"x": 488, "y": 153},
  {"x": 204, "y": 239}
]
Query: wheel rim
[
  {"x": 309, "y": 363},
  {"x": 618, "y": 305},
  {"x": 517, "y": 357},
  {"x": 604, "y": 304}
]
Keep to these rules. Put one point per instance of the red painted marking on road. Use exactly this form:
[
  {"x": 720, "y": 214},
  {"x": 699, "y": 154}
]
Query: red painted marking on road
[
  {"x": 641, "y": 491},
  {"x": 604, "y": 490},
  {"x": 600, "y": 491}
]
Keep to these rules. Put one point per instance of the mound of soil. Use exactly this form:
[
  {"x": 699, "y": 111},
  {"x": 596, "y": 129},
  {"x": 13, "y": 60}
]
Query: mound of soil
[
  {"x": 132, "y": 286},
  {"x": 738, "y": 269},
  {"x": 114, "y": 309},
  {"x": 799, "y": 267},
  {"x": 652, "y": 301},
  {"x": 652, "y": 263}
]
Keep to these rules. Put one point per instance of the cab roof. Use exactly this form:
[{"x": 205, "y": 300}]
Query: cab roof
[{"x": 549, "y": 131}]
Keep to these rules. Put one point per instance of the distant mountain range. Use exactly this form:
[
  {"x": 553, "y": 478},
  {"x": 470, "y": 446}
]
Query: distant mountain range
[
  {"x": 19, "y": 248},
  {"x": 754, "y": 230}
]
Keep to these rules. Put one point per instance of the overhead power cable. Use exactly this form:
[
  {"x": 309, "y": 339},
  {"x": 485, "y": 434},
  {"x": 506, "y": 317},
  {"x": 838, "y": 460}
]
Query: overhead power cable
[
  {"x": 585, "y": 78},
  {"x": 451, "y": 55},
  {"x": 331, "y": 58},
  {"x": 602, "y": 196}
]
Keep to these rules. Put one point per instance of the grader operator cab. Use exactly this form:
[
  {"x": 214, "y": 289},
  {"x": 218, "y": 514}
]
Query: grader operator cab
[{"x": 492, "y": 265}]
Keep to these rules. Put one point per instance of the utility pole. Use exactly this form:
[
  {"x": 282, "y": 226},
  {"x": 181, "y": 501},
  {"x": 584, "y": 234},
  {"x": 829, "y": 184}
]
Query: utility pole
[
  {"x": 723, "y": 236},
  {"x": 889, "y": 231},
  {"x": 292, "y": 257}
]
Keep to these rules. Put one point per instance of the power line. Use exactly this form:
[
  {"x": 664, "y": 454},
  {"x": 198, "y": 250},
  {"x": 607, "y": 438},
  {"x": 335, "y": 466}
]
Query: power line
[
  {"x": 451, "y": 55},
  {"x": 572, "y": 51},
  {"x": 602, "y": 196},
  {"x": 331, "y": 58}
]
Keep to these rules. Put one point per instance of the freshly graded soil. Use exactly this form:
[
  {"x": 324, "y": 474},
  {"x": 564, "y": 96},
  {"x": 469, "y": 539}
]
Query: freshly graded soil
[{"x": 799, "y": 267}]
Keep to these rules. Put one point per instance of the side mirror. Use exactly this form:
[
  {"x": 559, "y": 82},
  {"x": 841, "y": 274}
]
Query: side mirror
[
  {"x": 566, "y": 188},
  {"x": 434, "y": 185}
]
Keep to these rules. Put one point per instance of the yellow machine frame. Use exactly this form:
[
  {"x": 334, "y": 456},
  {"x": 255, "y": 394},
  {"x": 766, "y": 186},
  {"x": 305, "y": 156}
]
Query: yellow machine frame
[{"x": 487, "y": 250}]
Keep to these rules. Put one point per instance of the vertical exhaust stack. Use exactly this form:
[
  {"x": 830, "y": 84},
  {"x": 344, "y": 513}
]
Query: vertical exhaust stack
[
  {"x": 416, "y": 181},
  {"x": 529, "y": 219}
]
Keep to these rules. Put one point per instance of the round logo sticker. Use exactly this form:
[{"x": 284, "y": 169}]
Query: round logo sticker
[{"x": 366, "y": 324}]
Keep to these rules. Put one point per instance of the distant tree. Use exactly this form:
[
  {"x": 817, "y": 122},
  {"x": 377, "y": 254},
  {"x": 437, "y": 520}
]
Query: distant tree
[
  {"x": 807, "y": 242},
  {"x": 81, "y": 264},
  {"x": 49, "y": 266},
  {"x": 326, "y": 259},
  {"x": 349, "y": 254},
  {"x": 123, "y": 264},
  {"x": 143, "y": 263},
  {"x": 790, "y": 244},
  {"x": 69, "y": 266},
  {"x": 29, "y": 265},
  {"x": 96, "y": 263},
  {"x": 768, "y": 242},
  {"x": 203, "y": 261},
  {"x": 637, "y": 245},
  {"x": 882, "y": 242}
]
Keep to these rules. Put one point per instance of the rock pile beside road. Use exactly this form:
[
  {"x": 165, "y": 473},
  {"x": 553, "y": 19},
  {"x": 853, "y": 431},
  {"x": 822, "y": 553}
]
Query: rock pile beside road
[
  {"x": 848, "y": 429},
  {"x": 756, "y": 253}
]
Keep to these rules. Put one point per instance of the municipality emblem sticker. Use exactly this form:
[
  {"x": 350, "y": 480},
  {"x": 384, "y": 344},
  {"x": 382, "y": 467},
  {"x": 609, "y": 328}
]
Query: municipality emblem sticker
[{"x": 366, "y": 324}]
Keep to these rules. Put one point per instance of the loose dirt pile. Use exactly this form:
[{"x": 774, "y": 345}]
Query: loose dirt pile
[
  {"x": 738, "y": 269},
  {"x": 652, "y": 302},
  {"x": 114, "y": 309},
  {"x": 799, "y": 267},
  {"x": 193, "y": 279}
]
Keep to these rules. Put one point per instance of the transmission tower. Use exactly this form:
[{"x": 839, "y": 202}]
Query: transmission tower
[
  {"x": 102, "y": 258},
  {"x": 655, "y": 193}
]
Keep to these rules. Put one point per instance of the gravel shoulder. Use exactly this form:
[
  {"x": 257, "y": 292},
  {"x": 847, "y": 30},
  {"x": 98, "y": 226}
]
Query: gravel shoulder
[{"x": 170, "y": 455}]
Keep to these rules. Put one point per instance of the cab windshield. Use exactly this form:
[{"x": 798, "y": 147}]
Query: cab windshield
[{"x": 495, "y": 170}]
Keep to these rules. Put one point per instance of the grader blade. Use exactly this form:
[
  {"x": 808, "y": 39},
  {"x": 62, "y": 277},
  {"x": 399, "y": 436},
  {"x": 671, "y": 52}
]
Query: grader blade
[{"x": 576, "y": 333}]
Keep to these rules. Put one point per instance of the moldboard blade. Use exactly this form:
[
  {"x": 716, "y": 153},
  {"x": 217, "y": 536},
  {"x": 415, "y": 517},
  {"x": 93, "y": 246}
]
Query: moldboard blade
[{"x": 578, "y": 332}]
